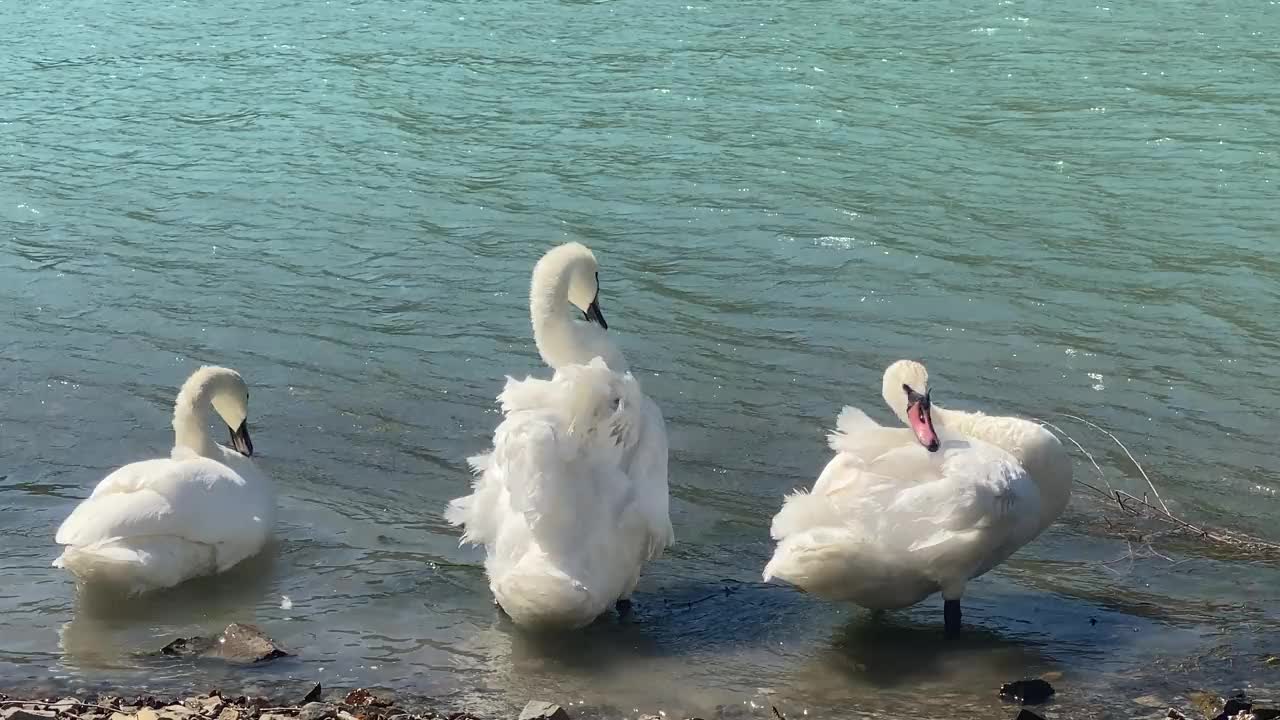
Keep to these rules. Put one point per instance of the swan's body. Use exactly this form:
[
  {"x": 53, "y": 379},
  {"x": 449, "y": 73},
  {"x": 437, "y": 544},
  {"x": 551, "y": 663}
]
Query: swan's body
[
  {"x": 890, "y": 522},
  {"x": 155, "y": 523},
  {"x": 571, "y": 502}
]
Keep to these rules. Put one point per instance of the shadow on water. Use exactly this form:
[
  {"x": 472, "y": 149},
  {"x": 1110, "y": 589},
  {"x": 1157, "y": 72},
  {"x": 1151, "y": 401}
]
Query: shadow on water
[{"x": 889, "y": 651}]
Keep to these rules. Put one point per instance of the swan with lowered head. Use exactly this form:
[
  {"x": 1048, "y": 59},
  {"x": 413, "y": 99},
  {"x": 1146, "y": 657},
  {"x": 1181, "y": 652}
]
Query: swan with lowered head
[
  {"x": 901, "y": 513},
  {"x": 155, "y": 523},
  {"x": 571, "y": 502}
]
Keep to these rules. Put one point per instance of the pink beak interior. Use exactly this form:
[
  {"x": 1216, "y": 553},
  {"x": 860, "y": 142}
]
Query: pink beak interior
[{"x": 922, "y": 425}]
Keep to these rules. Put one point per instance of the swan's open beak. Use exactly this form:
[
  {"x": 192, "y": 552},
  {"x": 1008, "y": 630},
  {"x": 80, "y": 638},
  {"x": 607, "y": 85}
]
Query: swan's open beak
[
  {"x": 594, "y": 315},
  {"x": 240, "y": 441},
  {"x": 921, "y": 420}
]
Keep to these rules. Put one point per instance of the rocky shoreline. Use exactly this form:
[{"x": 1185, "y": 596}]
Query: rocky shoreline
[
  {"x": 359, "y": 704},
  {"x": 362, "y": 704},
  {"x": 246, "y": 645}
]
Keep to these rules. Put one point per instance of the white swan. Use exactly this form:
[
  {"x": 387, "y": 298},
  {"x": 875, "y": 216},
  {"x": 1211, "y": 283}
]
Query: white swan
[
  {"x": 899, "y": 514},
  {"x": 155, "y": 523},
  {"x": 571, "y": 502}
]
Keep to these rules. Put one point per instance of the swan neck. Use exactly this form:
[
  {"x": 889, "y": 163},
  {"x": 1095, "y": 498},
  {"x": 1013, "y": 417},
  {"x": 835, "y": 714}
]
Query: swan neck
[
  {"x": 553, "y": 331},
  {"x": 191, "y": 419}
]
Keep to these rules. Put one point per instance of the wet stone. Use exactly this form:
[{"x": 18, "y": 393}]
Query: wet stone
[
  {"x": 1027, "y": 692},
  {"x": 538, "y": 710},
  {"x": 1026, "y": 714},
  {"x": 239, "y": 643}
]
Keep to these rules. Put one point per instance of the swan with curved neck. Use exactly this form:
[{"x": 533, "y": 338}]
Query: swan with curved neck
[
  {"x": 569, "y": 276},
  {"x": 906, "y": 390},
  {"x": 901, "y": 513},
  {"x": 571, "y": 502},
  {"x": 212, "y": 390},
  {"x": 156, "y": 523}
]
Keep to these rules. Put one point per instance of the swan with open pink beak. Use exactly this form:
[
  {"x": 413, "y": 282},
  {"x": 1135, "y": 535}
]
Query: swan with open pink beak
[{"x": 920, "y": 419}]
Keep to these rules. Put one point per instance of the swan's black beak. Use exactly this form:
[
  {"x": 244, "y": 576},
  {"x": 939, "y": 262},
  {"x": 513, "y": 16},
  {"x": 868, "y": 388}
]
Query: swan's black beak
[
  {"x": 240, "y": 441},
  {"x": 594, "y": 315},
  {"x": 921, "y": 419}
]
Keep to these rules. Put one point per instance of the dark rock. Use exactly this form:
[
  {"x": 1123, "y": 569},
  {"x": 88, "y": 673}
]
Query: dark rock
[
  {"x": 1234, "y": 707},
  {"x": 314, "y": 695},
  {"x": 241, "y": 644},
  {"x": 1174, "y": 714},
  {"x": 538, "y": 710},
  {"x": 1265, "y": 714},
  {"x": 1027, "y": 692},
  {"x": 1026, "y": 714}
]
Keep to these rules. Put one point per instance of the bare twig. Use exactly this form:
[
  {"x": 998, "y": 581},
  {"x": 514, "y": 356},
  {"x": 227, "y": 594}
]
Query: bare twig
[
  {"x": 1132, "y": 459},
  {"x": 1133, "y": 506},
  {"x": 778, "y": 713}
]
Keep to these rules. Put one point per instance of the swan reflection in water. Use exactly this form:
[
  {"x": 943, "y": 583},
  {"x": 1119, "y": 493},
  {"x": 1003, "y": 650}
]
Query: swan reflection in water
[{"x": 110, "y": 629}]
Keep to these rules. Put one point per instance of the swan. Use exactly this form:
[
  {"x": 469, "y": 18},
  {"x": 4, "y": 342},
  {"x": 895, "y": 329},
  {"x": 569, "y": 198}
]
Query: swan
[
  {"x": 155, "y": 523},
  {"x": 571, "y": 501},
  {"x": 901, "y": 513}
]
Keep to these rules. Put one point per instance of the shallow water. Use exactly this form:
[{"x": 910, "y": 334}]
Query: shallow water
[{"x": 1062, "y": 207}]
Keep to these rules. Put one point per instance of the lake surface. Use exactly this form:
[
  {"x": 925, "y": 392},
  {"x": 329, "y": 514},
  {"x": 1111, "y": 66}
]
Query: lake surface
[{"x": 1061, "y": 207}]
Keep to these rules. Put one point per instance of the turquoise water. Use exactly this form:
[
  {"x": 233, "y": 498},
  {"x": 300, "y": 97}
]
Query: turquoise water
[{"x": 1061, "y": 207}]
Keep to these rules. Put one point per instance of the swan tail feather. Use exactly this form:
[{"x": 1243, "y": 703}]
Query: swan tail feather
[
  {"x": 859, "y": 436},
  {"x": 818, "y": 561},
  {"x": 545, "y": 597},
  {"x": 802, "y": 511},
  {"x": 139, "y": 564}
]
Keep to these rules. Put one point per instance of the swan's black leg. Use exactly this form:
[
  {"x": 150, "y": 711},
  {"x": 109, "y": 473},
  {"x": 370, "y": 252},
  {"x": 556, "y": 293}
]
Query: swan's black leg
[
  {"x": 623, "y": 607},
  {"x": 951, "y": 616}
]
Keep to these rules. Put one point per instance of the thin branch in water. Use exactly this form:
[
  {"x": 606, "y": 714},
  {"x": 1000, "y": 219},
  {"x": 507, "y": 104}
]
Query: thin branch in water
[
  {"x": 1101, "y": 475},
  {"x": 1132, "y": 459}
]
